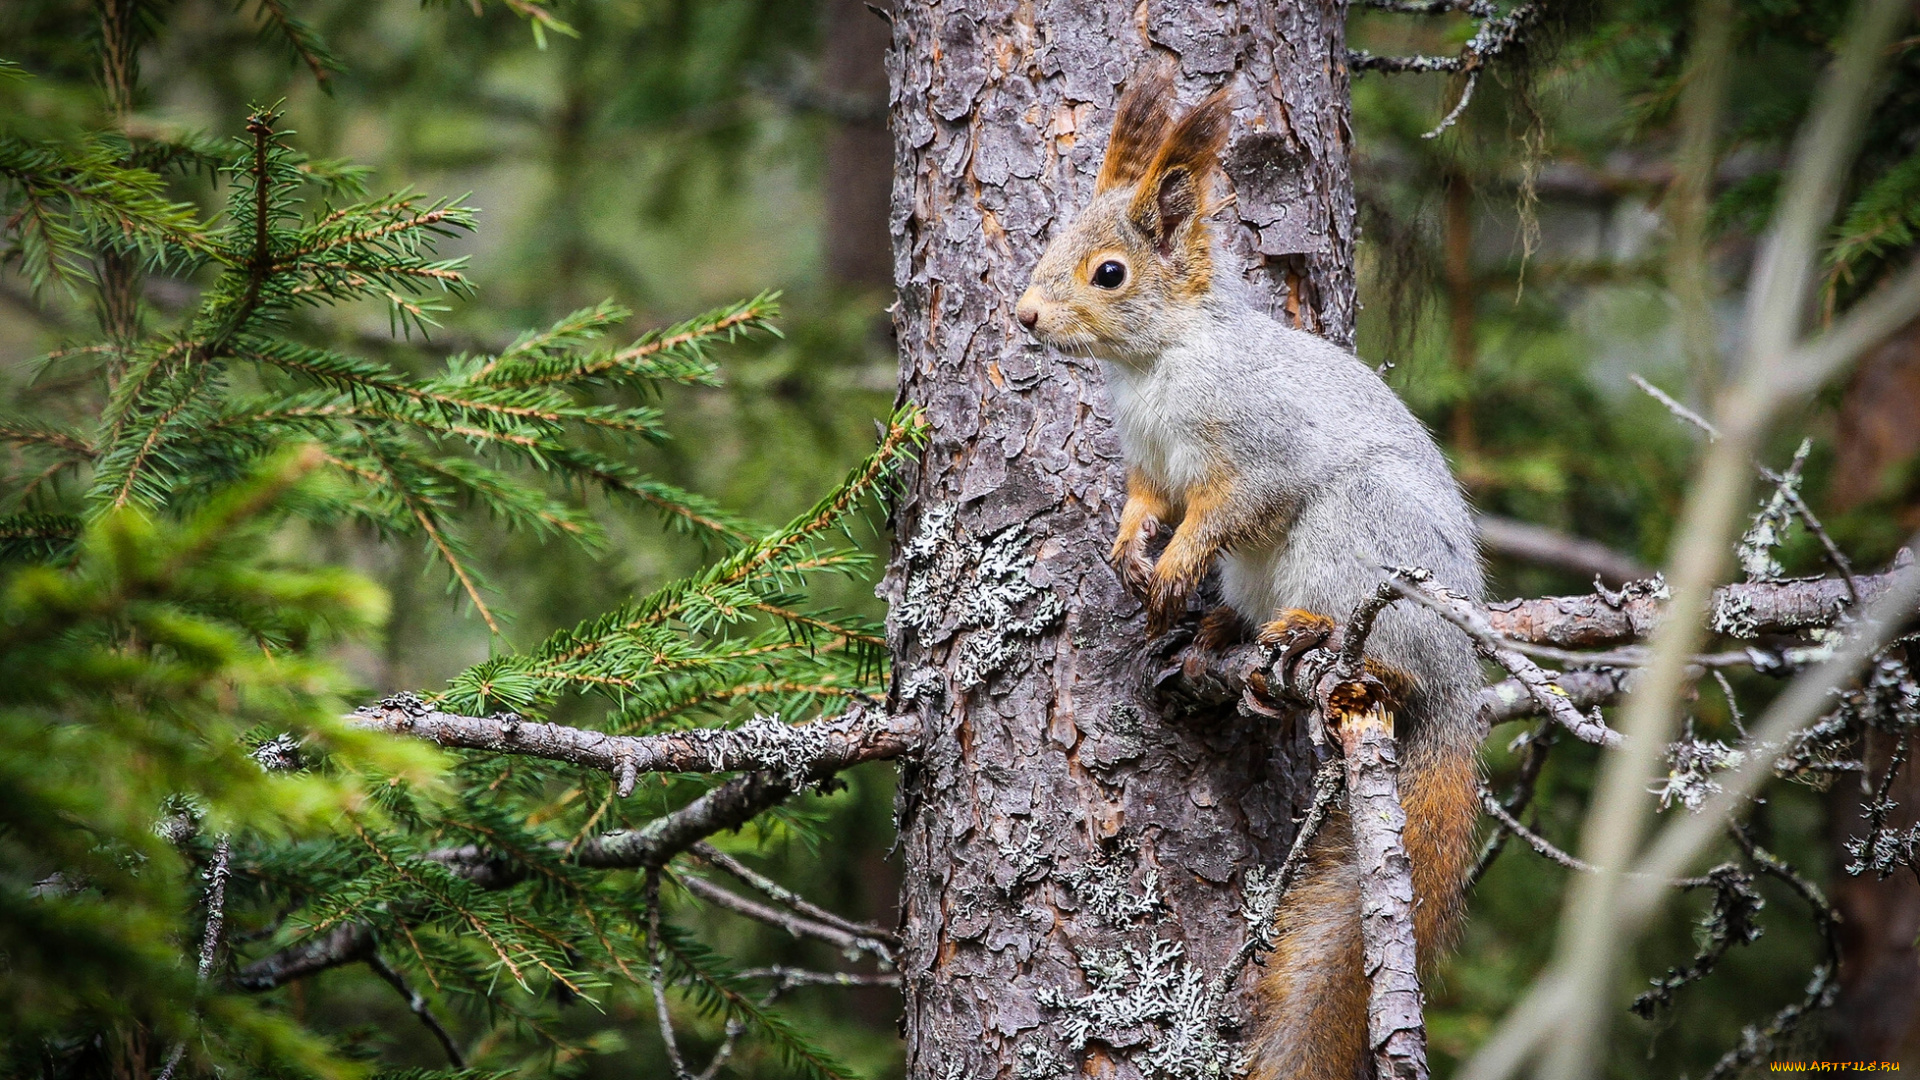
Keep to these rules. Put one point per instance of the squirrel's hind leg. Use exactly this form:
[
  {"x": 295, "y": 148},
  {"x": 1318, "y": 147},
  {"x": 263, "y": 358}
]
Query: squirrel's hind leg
[
  {"x": 1221, "y": 629},
  {"x": 1296, "y": 629}
]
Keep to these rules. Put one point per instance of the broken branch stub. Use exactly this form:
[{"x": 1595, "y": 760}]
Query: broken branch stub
[{"x": 1358, "y": 717}]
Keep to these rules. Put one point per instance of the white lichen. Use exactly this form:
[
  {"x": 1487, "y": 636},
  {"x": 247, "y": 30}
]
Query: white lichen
[
  {"x": 788, "y": 751},
  {"x": 1028, "y": 859},
  {"x": 1260, "y": 904},
  {"x": 1033, "y": 1061},
  {"x": 1153, "y": 999},
  {"x": 1105, "y": 888},
  {"x": 1692, "y": 764},
  {"x": 973, "y": 589},
  {"x": 1770, "y": 525}
]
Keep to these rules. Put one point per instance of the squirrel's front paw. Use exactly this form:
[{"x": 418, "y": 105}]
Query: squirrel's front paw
[
  {"x": 1129, "y": 556},
  {"x": 1166, "y": 602}
]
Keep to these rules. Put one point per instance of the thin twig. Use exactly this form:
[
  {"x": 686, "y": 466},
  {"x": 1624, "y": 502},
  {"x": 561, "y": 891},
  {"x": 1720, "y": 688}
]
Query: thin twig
[
  {"x": 1460, "y": 612},
  {"x": 1674, "y": 407},
  {"x": 1783, "y": 483},
  {"x": 420, "y": 1008},
  {"x": 1553, "y": 853},
  {"x": 1263, "y": 902},
  {"x": 657, "y": 978},
  {"x": 1539, "y": 743},
  {"x": 772, "y": 916},
  {"x": 1822, "y": 989},
  {"x": 1801, "y": 510},
  {"x": 217, "y": 874},
  {"x": 784, "y": 895}
]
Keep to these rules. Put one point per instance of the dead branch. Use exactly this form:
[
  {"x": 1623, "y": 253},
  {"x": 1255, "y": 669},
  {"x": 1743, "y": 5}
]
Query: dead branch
[
  {"x": 344, "y": 944},
  {"x": 417, "y": 1004},
  {"x": 793, "y": 978},
  {"x": 1265, "y": 892},
  {"x": 1757, "y": 1043},
  {"x": 1742, "y": 610},
  {"x": 1542, "y": 546},
  {"x": 791, "y": 923},
  {"x": 218, "y": 872},
  {"x": 1553, "y": 852},
  {"x": 862, "y": 733},
  {"x": 1456, "y": 609},
  {"x": 1396, "y": 1028},
  {"x": 1510, "y": 699},
  {"x": 1200, "y": 683},
  {"x": 784, "y": 895},
  {"x": 728, "y": 806},
  {"x": 1538, "y": 742}
]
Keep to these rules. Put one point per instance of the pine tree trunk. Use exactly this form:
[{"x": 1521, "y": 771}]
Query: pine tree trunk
[{"x": 1074, "y": 862}]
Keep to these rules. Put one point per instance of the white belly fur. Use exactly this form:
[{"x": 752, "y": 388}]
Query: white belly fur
[{"x": 1250, "y": 583}]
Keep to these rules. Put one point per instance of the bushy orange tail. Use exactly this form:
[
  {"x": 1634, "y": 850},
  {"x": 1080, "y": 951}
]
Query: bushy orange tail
[{"x": 1312, "y": 1012}]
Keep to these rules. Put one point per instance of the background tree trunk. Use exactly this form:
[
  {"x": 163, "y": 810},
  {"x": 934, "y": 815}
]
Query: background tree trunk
[{"x": 1074, "y": 865}]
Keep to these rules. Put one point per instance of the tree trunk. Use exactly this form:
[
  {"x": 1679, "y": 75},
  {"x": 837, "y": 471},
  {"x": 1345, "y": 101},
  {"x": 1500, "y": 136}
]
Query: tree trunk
[{"x": 1075, "y": 866}]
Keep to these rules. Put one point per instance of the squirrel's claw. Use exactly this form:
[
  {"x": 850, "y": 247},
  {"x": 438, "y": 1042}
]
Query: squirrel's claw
[
  {"x": 1129, "y": 557},
  {"x": 1166, "y": 602}
]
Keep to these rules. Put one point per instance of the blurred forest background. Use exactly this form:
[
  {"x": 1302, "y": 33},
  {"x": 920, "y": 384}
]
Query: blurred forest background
[{"x": 676, "y": 155}]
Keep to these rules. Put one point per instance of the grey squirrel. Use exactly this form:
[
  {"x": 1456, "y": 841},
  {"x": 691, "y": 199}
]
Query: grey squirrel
[{"x": 1294, "y": 464}]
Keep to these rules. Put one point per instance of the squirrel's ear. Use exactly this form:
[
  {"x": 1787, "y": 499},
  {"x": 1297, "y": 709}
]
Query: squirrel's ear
[
  {"x": 1139, "y": 124},
  {"x": 1172, "y": 192}
]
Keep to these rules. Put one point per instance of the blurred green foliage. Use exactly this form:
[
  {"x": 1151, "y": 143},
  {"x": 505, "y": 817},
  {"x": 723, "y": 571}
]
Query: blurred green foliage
[{"x": 160, "y": 351}]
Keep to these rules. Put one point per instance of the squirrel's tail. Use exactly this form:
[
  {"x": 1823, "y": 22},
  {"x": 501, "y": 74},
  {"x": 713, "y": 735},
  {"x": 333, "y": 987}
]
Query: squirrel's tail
[{"x": 1312, "y": 1001}]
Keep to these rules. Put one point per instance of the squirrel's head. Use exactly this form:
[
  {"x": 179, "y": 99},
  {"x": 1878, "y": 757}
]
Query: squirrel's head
[{"x": 1118, "y": 280}]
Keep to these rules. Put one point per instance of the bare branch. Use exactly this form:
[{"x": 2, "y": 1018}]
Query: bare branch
[
  {"x": 1264, "y": 896},
  {"x": 728, "y": 806},
  {"x": 1588, "y": 727},
  {"x": 1538, "y": 743},
  {"x": 1740, "y": 610},
  {"x": 1545, "y": 547},
  {"x": 860, "y": 734},
  {"x": 792, "y": 924},
  {"x": 344, "y": 944},
  {"x": 656, "y": 977},
  {"x": 218, "y": 872},
  {"x": 419, "y": 1006},
  {"x": 1758, "y": 1043},
  {"x": 788, "y": 897},
  {"x": 1675, "y": 407},
  {"x": 1538, "y": 843}
]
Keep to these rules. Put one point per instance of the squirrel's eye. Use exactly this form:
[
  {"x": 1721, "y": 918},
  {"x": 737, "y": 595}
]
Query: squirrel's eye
[{"x": 1109, "y": 274}]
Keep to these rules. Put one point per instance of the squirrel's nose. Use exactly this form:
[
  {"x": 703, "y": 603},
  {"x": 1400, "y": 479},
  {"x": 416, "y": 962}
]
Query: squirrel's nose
[{"x": 1029, "y": 316}]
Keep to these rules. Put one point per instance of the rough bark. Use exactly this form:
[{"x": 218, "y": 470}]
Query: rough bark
[{"x": 1074, "y": 862}]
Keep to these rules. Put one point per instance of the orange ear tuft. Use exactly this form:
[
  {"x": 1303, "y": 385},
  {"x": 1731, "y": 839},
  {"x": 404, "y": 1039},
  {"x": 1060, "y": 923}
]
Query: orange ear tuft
[
  {"x": 1173, "y": 188},
  {"x": 1139, "y": 124}
]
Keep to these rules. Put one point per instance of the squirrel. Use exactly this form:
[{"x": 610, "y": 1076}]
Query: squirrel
[{"x": 1291, "y": 461}]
